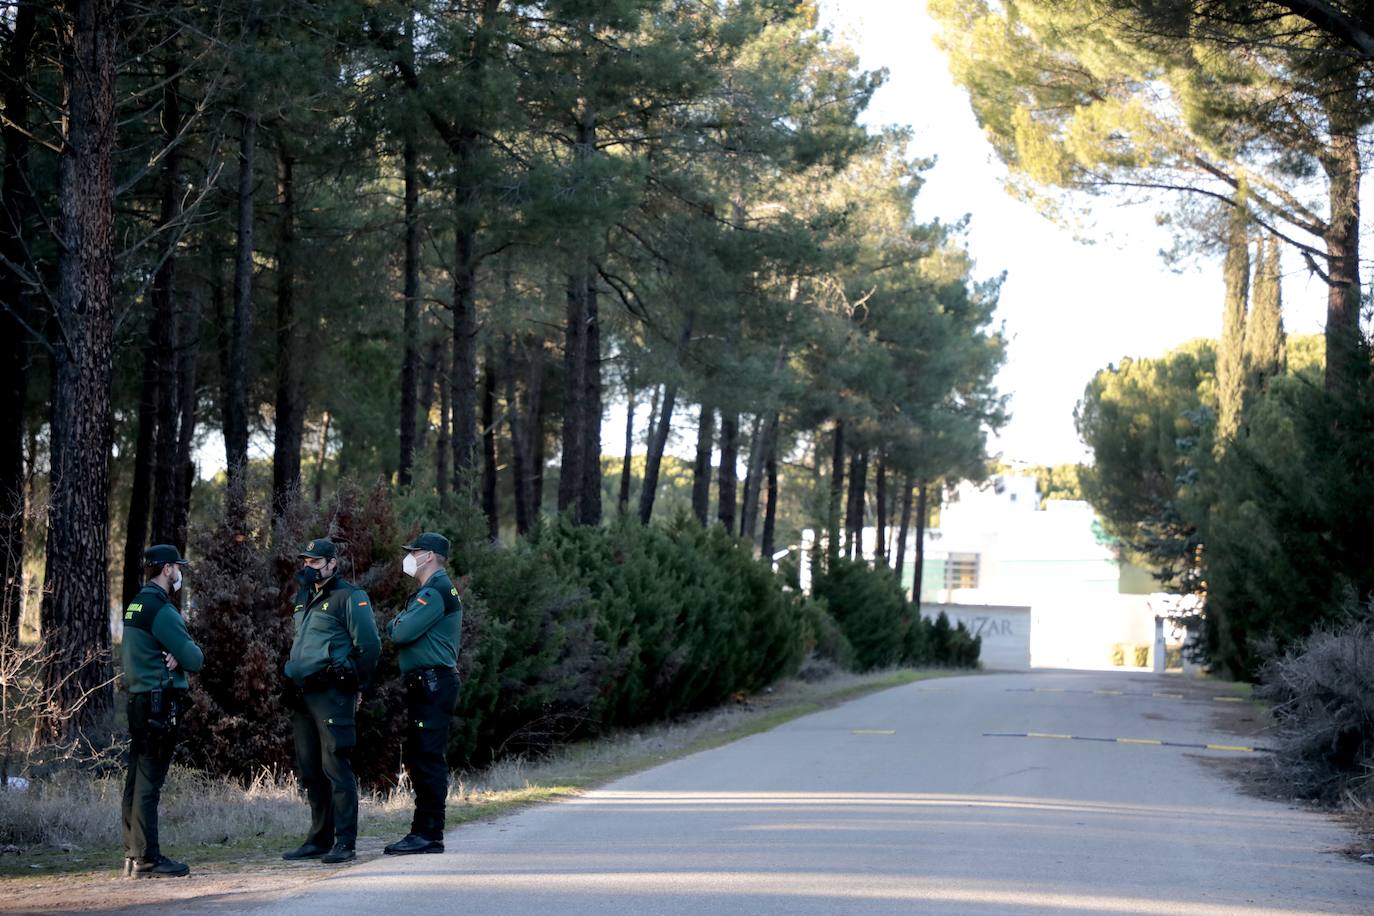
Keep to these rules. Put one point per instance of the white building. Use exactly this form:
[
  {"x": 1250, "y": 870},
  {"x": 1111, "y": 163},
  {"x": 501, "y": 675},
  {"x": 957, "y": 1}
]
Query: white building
[{"x": 1040, "y": 586}]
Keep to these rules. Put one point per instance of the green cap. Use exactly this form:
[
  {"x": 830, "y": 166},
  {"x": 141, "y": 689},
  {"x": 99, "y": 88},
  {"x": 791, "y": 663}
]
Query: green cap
[
  {"x": 320, "y": 549},
  {"x": 430, "y": 540},
  {"x": 160, "y": 554}
]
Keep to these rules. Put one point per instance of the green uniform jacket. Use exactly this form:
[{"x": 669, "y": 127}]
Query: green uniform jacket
[
  {"x": 429, "y": 630},
  {"x": 333, "y": 626},
  {"x": 152, "y": 625}
]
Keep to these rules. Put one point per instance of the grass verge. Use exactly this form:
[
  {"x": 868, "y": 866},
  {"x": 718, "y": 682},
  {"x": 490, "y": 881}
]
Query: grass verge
[{"x": 218, "y": 823}]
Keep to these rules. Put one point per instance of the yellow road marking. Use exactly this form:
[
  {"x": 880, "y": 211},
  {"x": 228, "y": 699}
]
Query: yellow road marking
[
  {"x": 873, "y": 731},
  {"x": 1109, "y": 693},
  {"x": 1048, "y": 735},
  {"x": 1230, "y": 747},
  {"x": 1167, "y": 696},
  {"x": 1138, "y": 741},
  {"x": 1229, "y": 699}
]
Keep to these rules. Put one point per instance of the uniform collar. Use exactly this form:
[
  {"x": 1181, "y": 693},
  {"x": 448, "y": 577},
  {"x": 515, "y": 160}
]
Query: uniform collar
[{"x": 158, "y": 590}]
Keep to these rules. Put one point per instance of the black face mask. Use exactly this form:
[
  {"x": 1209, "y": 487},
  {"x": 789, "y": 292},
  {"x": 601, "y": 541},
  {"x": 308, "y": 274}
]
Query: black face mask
[{"x": 308, "y": 575}]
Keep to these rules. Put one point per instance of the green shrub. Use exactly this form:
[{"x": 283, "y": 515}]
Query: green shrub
[{"x": 870, "y": 609}]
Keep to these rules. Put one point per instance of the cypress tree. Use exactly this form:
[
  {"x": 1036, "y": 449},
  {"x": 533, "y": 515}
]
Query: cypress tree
[
  {"x": 1265, "y": 340},
  {"x": 1231, "y": 363}
]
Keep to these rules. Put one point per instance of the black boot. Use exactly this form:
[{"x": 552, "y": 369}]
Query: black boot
[
  {"x": 305, "y": 851},
  {"x": 340, "y": 853},
  {"x": 412, "y": 844},
  {"x": 160, "y": 867}
]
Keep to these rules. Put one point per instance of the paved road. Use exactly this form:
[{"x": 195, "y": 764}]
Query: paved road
[{"x": 897, "y": 803}]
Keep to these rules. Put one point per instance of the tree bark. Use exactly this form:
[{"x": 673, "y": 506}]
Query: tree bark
[
  {"x": 880, "y": 496},
  {"x": 410, "y": 322},
  {"x": 904, "y": 531},
  {"x": 729, "y": 469},
  {"x": 443, "y": 444},
  {"x": 922, "y": 513},
  {"x": 519, "y": 453},
  {"x": 320, "y": 457},
  {"x": 770, "y": 516},
  {"x": 429, "y": 371},
  {"x": 854, "y": 516},
  {"x": 140, "y": 490},
  {"x": 590, "y": 504},
  {"x": 1346, "y": 368},
  {"x": 653, "y": 462},
  {"x": 701, "y": 468},
  {"x": 16, "y": 215},
  {"x": 753, "y": 477},
  {"x": 623, "y": 500},
  {"x": 184, "y": 469},
  {"x": 489, "y": 505},
  {"x": 75, "y": 616},
  {"x": 574, "y": 391},
  {"x": 836, "y": 489},
  {"x": 166, "y": 472},
  {"x": 290, "y": 407},
  {"x": 236, "y": 384},
  {"x": 463, "y": 383}
]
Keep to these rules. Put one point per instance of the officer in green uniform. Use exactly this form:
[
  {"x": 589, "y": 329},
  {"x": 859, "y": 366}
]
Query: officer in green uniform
[
  {"x": 156, "y": 652},
  {"x": 427, "y": 633},
  {"x": 333, "y": 654}
]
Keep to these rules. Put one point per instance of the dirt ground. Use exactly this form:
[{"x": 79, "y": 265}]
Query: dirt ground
[{"x": 226, "y": 886}]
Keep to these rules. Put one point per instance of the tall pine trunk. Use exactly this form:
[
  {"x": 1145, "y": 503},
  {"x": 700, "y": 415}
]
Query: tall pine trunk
[
  {"x": 410, "y": 321},
  {"x": 166, "y": 471},
  {"x": 183, "y": 468},
  {"x": 429, "y": 372},
  {"x": 854, "y": 515},
  {"x": 701, "y": 468},
  {"x": 489, "y": 504},
  {"x": 880, "y": 495},
  {"x": 922, "y": 514},
  {"x": 463, "y": 368},
  {"x": 16, "y": 216},
  {"x": 1346, "y": 368},
  {"x": 442, "y": 444},
  {"x": 75, "y": 616},
  {"x": 836, "y": 490},
  {"x": 653, "y": 462},
  {"x": 532, "y": 485},
  {"x": 290, "y": 409},
  {"x": 574, "y": 391},
  {"x": 770, "y": 516},
  {"x": 622, "y": 503},
  {"x": 589, "y": 507},
  {"x": 519, "y": 454},
  {"x": 236, "y": 383},
  {"x": 155, "y": 349},
  {"x": 904, "y": 531},
  {"x": 579, "y": 486},
  {"x": 729, "y": 469}
]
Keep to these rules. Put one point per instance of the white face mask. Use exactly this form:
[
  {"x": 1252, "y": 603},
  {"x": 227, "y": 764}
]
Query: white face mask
[
  {"x": 410, "y": 566},
  {"x": 176, "y": 583}
]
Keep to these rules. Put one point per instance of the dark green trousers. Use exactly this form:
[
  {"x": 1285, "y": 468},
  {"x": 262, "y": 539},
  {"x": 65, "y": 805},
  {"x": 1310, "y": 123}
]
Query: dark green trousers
[
  {"x": 152, "y": 739},
  {"x": 325, "y": 734}
]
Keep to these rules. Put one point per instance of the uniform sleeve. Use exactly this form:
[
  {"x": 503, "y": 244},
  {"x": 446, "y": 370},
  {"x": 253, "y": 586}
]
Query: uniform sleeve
[
  {"x": 170, "y": 630},
  {"x": 363, "y": 629},
  {"x": 423, "y": 612}
]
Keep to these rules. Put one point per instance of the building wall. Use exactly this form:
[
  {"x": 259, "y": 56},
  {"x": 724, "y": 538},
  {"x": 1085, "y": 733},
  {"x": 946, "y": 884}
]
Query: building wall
[{"x": 1005, "y": 631}]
